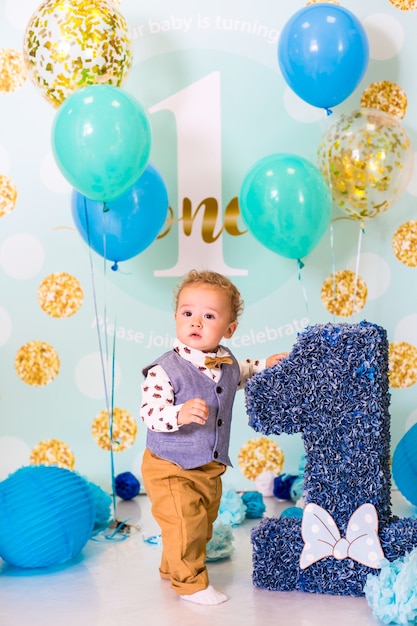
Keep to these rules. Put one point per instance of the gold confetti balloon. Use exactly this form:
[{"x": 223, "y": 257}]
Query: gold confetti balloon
[
  {"x": 344, "y": 293},
  {"x": 367, "y": 160},
  {"x": 60, "y": 295},
  {"x": 12, "y": 70},
  {"x": 259, "y": 455},
  {"x": 8, "y": 195},
  {"x": 52, "y": 452},
  {"x": 37, "y": 363},
  {"x": 402, "y": 364},
  {"x": 69, "y": 44},
  {"x": 123, "y": 430},
  {"x": 404, "y": 243}
]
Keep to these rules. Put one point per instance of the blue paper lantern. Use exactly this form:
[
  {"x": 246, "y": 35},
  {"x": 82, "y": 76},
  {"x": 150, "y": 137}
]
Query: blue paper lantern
[
  {"x": 404, "y": 465},
  {"x": 47, "y": 516}
]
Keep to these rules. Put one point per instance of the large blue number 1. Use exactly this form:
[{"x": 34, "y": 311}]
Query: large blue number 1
[{"x": 334, "y": 389}]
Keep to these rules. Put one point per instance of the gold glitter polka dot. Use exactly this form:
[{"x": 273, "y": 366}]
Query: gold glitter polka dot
[
  {"x": 12, "y": 70},
  {"x": 8, "y": 195},
  {"x": 260, "y": 455},
  {"x": 344, "y": 293},
  {"x": 405, "y": 5},
  {"x": 37, "y": 363},
  {"x": 402, "y": 364},
  {"x": 52, "y": 452},
  {"x": 321, "y": 2},
  {"x": 60, "y": 295},
  {"x": 386, "y": 96},
  {"x": 69, "y": 45},
  {"x": 124, "y": 429},
  {"x": 404, "y": 243}
]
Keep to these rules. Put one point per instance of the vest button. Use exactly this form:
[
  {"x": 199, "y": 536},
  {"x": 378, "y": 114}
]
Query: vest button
[
  {"x": 219, "y": 389},
  {"x": 216, "y": 454},
  {"x": 219, "y": 422}
]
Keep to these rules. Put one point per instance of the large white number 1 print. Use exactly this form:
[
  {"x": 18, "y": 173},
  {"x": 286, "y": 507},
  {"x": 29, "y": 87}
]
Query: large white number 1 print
[{"x": 197, "y": 114}]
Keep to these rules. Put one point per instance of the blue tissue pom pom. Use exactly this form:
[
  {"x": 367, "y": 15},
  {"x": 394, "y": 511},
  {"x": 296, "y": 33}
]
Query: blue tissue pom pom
[
  {"x": 296, "y": 491},
  {"x": 282, "y": 486},
  {"x": 126, "y": 485},
  {"x": 254, "y": 503}
]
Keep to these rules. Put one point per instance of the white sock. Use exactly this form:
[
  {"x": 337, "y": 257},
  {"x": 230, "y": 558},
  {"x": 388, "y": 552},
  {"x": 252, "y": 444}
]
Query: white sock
[{"x": 207, "y": 596}]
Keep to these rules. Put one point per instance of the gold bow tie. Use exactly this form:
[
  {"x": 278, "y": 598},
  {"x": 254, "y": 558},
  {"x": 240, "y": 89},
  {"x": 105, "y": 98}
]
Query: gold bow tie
[{"x": 214, "y": 361}]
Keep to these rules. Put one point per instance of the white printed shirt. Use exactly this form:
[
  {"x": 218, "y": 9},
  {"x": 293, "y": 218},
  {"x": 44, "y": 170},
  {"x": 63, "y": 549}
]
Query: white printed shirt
[{"x": 158, "y": 395}]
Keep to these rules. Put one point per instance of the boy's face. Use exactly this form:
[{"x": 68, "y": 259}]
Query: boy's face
[{"x": 203, "y": 317}]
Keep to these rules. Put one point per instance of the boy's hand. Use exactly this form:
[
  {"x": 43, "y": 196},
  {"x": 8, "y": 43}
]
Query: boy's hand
[
  {"x": 195, "y": 410},
  {"x": 275, "y": 358}
]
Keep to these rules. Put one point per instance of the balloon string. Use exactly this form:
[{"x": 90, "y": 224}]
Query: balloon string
[
  {"x": 331, "y": 229},
  {"x": 109, "y": 408},
  {"x": 333, "y": 266},
  {"x": 300, "y": 266},
  {"x": 358, "y": 256},
  {"x": 111, "y": 420}
]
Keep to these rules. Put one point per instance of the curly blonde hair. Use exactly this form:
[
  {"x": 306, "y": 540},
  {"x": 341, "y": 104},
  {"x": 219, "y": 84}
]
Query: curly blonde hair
[{"x": 207, "y": 277}]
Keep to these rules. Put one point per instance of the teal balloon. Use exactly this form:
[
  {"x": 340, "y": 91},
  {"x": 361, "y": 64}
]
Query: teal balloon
[
  {"x": 285, "y": 203},
  {"x": 122, "y": 228},
  {"x": 101, "y": 140}
]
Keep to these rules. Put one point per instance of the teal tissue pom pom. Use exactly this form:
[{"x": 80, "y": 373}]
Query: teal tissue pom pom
[
  {"x": 232, "y": 510},
  {"x": 220, "y": 545},
  {"x": 254, "y": 503},
  {"x": 392, "y": 595}
]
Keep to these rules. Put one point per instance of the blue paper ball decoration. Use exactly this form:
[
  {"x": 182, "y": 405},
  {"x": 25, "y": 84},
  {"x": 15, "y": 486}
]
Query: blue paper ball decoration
[
  {"x": 126, "y": 485},
  {"x": 47, "y": 516},
  {"x": 404, "y": 465}
]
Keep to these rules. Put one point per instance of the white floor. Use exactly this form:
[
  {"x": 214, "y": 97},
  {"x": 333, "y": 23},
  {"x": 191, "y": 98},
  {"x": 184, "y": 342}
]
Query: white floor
[{"x": 116, "y": 583}]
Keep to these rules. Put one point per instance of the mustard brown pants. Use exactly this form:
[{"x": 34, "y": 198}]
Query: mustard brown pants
[{"x": 185, "y": 504}]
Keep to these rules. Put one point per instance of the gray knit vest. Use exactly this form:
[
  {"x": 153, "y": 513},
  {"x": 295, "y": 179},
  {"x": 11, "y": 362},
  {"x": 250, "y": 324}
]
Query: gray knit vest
[{"x": 194, "y": 445}]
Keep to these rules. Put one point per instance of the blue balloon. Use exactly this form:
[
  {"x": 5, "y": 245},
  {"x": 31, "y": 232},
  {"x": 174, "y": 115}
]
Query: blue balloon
[
  {"x": 323, "y": 53},
  {"x": 122, "y": 228},
  {"x": 285, "y": 203}
]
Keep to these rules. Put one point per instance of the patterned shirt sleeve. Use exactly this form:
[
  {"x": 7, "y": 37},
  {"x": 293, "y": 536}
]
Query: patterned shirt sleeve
[
  {"x": 158, "y": 411},
  {"x": 248, "y": 368}
]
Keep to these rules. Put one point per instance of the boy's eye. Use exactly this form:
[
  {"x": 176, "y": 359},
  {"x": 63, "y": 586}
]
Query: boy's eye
[
  {"x": 187, "y": 313},
  {"x": 209, "y": 316}
]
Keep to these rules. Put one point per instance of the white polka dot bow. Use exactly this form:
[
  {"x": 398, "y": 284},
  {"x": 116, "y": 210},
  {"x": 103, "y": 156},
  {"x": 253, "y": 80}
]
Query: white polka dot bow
[{"x": 322, "y": 537}]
